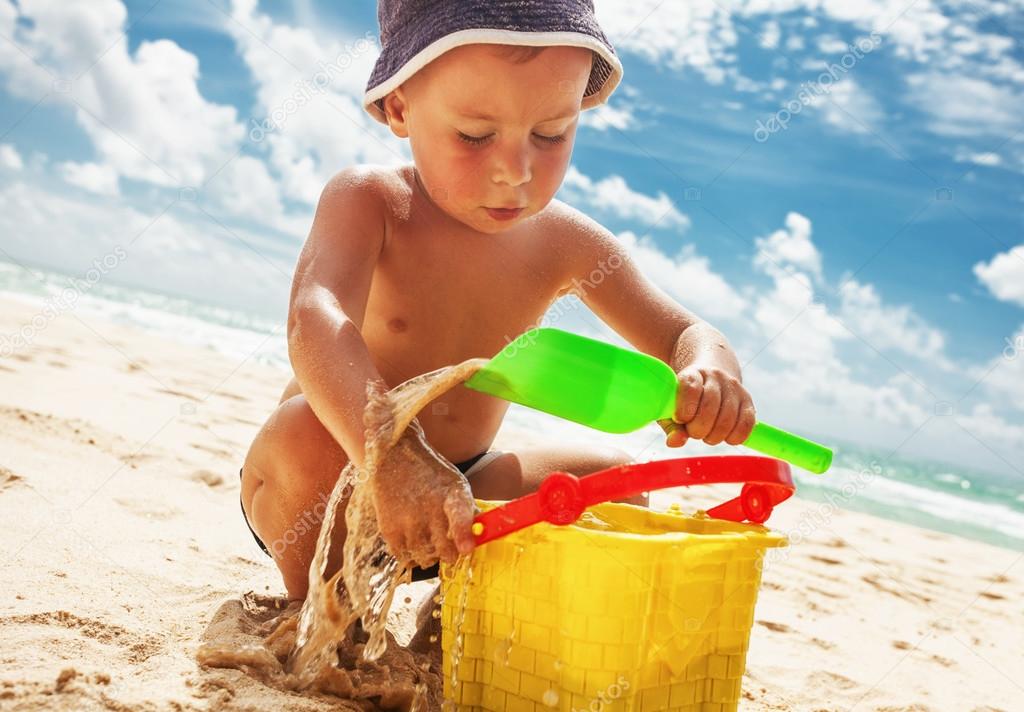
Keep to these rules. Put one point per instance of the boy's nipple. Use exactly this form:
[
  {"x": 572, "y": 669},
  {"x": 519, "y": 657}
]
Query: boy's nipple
[{"x": 397, "y": 325}]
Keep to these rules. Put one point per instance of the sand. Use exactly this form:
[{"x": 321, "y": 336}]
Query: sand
[{"x": 124, "y": 551}]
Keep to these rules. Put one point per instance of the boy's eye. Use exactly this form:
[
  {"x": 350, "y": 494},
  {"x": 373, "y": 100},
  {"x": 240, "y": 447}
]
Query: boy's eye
[
  {"x": 478, "y": 140},
  {"x": 551, "y": 139}
]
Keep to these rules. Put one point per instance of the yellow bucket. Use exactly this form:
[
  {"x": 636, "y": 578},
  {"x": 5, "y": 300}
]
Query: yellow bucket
[{"x": 627, "y": 609}]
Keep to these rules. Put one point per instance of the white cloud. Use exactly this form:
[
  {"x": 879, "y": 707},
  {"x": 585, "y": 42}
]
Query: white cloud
[
  {"x": 980, "y": 159},
  {"x": 10, "y": 158},
  {"x": 966, "y": 91},
  {"x": 791, "y": 258},
  {"x": 620, "y": 116},
  {"x": 309, "y": 95},
  {"x": 1002, "y": 378},
  {"x": 965, "y": 106},
  {"x": 687, "y": 277},
  {"x": 613, "y": 195},
  {"x": 800, "y": 349},
  {"x": 701, "y": 34},
  {"x": 770, "y": 34},
  {"x": 96, "y": 178},
  {"x": 1004, "y": 69},
  {"x": 798, "y": 330},
  {"x": 143, "y": 111},
  {"x": 984, "y": 423},
  {"x": 968, "y": 42},
  {"x": 1004, "y": 275},
  {"x": 890, "y": 328},
  {"x": 830, "y": 44},
  {"x": 849, "y": 107},
  {"x": 915, "y": 30},
  {"x": 246, "y": 188},
  {"x": 697, "y": 34},
  {"x": 790, "y": 247}
]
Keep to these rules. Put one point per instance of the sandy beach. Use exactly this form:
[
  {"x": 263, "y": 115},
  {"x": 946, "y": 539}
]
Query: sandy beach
[{"x": 124, "y": 550}]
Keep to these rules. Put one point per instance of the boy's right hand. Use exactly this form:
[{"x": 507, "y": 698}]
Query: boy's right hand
[{"x": 424, "y": 506}]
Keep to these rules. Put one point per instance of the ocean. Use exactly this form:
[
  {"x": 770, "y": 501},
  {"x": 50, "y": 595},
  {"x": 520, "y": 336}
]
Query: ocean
[{"x": 949, "y": 498}]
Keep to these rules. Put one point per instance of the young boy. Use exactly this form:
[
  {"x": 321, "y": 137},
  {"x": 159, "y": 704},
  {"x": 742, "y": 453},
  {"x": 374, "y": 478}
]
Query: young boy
[{"x": 413, "y": 268}]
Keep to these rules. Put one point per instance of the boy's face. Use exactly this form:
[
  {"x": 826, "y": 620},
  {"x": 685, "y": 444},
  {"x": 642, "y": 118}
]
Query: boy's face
[{"x": 487, "y": 132}]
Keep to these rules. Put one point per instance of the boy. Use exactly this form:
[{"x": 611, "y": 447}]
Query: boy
[{"x": 413, "y": 268}]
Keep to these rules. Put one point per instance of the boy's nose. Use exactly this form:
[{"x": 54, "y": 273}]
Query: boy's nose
[{"x": 512, "y": 166}]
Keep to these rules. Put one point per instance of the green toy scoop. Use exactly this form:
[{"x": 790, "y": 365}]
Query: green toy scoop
[{"x": 610, "y": 388}]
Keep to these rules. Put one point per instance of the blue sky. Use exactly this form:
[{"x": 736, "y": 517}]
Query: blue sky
[{"x": 867, "y": 261}]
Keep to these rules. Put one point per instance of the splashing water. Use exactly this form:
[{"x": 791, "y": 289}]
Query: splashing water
[
  {"x": 460, "y": 618},
  {"x": 361, "y": 592}
]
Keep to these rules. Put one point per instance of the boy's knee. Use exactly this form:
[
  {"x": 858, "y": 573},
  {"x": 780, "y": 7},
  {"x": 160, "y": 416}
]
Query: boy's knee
[
  {"x": 612, "y": 457},
  {"x": 295, "y": 428},
  {"x": 293, "y": 435}
]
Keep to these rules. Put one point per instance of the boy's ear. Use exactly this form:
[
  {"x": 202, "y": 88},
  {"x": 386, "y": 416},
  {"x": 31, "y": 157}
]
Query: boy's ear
[{"x": 395, "y": 110}]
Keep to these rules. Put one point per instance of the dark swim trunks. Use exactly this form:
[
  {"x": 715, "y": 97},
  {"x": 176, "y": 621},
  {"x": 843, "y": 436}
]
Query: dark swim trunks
[{"x": 418, "y": 574}]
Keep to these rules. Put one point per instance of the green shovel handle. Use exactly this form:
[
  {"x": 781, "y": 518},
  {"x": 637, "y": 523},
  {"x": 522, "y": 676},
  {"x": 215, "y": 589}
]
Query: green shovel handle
[{"x": 771, "y": 441}]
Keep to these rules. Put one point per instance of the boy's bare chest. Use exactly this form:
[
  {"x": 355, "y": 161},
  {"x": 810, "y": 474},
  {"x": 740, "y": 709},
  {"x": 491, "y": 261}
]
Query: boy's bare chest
[{"x": 459, "y": 295}]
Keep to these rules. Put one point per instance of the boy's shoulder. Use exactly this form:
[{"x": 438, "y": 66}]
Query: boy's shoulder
[
  {"x": 569, "y": 220},
  {"x": 371, "y": 180},
  {"x": 579, "y": 235}
]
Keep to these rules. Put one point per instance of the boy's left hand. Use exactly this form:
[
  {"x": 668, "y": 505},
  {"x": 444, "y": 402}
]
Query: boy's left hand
[{"x": 711, "y": 405}]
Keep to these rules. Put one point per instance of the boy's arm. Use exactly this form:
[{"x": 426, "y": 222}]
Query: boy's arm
[
  {"x": 424, "y": 507},
  {"x": 328, "y": 303},
  {"x": 712, "y": 404}
]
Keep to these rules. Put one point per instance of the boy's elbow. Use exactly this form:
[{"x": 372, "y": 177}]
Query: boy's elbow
[
  {"x": 305, "y": 327},
  {"x": 311, "y": 328}
]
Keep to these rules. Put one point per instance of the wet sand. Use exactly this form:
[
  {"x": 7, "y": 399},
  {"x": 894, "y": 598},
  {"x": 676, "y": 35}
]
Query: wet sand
[{"x": 124, "y": 551}]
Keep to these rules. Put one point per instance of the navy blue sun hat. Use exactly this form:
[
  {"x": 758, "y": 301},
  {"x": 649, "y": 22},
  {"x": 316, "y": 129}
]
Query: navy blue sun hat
[{"x": 413, "y": 33}]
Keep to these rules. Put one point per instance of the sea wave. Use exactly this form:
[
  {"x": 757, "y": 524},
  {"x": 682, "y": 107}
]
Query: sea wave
[{"x": 229, "y": 332}]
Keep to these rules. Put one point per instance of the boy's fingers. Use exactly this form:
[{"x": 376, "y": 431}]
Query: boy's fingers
[
  {"x": 710, "y": 401},
  {"x": 423, "y": 548},
  {"x": 726, "y": 421},
  {"x": 745, "y": 422},
  {"x": 676, "y": 433},
  {"x": 395, "y": 539},
  {"x": 443, "y": 544},
  {"x": 688, "y": 395},
  {"x": 460, "y": 510}
]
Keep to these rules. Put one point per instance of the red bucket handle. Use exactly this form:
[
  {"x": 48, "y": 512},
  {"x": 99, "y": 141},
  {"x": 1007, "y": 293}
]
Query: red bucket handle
[{"x": 563, "y": 497}]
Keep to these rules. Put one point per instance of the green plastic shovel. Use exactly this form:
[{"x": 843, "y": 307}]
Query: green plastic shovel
[{"x": 611, "y": 389}]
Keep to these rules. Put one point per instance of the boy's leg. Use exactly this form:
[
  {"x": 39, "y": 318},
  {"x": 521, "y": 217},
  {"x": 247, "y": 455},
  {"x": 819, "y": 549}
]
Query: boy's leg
[
  {"x": 288, "y": 476},
  {"x": 520, "y": 472},
  {"x": 294, "y": 463}
]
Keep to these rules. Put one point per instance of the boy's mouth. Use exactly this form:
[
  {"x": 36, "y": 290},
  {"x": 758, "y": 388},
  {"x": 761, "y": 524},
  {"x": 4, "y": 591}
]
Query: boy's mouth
[{"x": 504, "y": 213}]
